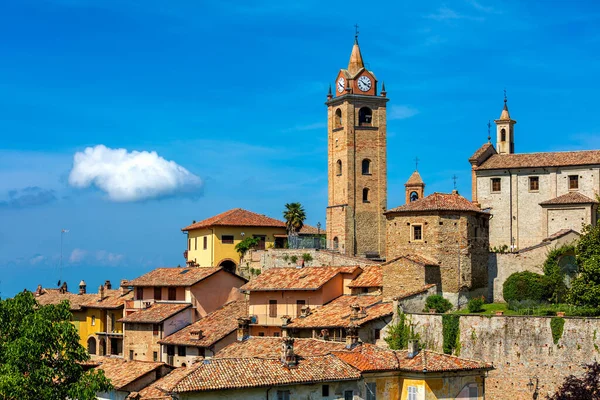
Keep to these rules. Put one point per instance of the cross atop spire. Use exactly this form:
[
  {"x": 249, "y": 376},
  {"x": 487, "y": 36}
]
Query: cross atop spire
[
  {"x": 489, "y": 125},
  {"x": 356, "y": 32},
  {"x": 454, "y": 178},
  {"x": 505, "y": 114},
  {"x": 416, "y": 163}
]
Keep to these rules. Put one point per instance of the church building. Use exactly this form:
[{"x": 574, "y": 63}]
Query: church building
[
  {"x": 357, "y": 173},
  {"x": 531, "y": 196}
]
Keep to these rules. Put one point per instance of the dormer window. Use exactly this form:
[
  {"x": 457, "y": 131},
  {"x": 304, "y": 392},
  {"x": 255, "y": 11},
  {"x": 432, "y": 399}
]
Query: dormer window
[{"x": 365, "y": 116}]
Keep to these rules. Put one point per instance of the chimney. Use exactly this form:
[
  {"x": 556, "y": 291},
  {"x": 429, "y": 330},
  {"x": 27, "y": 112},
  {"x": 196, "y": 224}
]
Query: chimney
[
  {"x": 413, "y": 348},
  {"x": 107, "y": 285},
  {"x": 39, "y": 290},
  {"x": 354, "y": 314},
  {"x": 123, "y": 286},
  {"x": 351, "y": 336},
  {"x": 100, "y": 293},
  {"x": 304, "y": 311},
  {"x": 196, "y": 335},
  {"x": 82, "y": 287},
  {"x": 285, "y": 320},
  {"x": 288, "y": 358},
  {"x": 243, "y": 331},
  {"x": 455, "y": 191},
  {"x": 63, "y": 288}
]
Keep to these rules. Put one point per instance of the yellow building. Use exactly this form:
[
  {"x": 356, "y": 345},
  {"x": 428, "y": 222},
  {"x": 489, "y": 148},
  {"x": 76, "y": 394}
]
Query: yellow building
[{"x": 211, "y": 242}]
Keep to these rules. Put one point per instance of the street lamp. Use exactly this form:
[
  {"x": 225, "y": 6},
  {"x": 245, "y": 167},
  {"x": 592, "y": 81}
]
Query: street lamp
[{"x": 532, "y": 385}]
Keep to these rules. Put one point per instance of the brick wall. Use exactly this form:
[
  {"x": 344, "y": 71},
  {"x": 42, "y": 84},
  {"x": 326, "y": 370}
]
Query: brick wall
[
  {"x": 520, "y": 348},
  {"x": 272, "y": 258}
]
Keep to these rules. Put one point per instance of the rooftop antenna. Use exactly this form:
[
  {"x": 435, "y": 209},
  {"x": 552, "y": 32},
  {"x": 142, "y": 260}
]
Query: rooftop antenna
[
  {"x": 62, "y": 232},
  {"x": 454, "y": 178},
  {"x": 489, "y": 125},
  {"x": 416, "y": 163}
]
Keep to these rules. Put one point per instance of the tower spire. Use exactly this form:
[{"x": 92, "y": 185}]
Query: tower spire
[
  {"x": 505, "y": 114},
  {"x": 356, "y": 61}
]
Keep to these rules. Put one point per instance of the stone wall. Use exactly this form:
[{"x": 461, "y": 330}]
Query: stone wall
[
  {"x": 520, "y": 348},
  {"x": 276, "y": 258},
  {"x": 502, "y": 265}
]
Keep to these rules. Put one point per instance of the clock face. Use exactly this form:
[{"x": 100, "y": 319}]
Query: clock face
[
  {"x": 364, "y": 83},
  {"x": 341, "y": 85}
]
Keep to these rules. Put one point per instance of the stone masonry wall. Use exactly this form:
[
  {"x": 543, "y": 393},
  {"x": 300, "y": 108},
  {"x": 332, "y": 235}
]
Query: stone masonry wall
[
  {"x": 520, "y": 348},
  {"x": 272, "y": 258}
]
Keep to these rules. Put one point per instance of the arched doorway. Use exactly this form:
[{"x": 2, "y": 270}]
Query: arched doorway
[
  {"x": 91, "y": 345},
  {"x": 228, "y": 265}
]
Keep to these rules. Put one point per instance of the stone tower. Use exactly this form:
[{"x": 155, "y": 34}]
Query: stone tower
[
  {"x": 414, "y": 187},
  {"x": 357, "y": 172},
  {"x": 505, "y": 132}
]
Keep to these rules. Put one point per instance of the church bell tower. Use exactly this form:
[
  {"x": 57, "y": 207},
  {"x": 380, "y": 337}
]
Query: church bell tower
[{"x": 357, "y": 171}]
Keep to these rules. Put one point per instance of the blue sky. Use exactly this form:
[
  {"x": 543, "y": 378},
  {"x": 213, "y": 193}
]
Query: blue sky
[{"x": 229, "y": 95}]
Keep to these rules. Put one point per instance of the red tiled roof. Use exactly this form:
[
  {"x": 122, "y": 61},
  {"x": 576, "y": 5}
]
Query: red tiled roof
[
  {"x": 112, "y": 300},
  {"x": 156, "y": 313},
  {"x": 415, "y": 179},
  {"x": 535, "y": 160},
  {"x": 311, "y": 230},
  {"x": 414, "y": 292},
  {"x": 270, "y": 347},
  {"x": 560, "y": 234},
  {"x": 372, "y": 276},
  {"x": 54, "y": 296},
  {"x": 430, "y": 361},
  {"x": 307, "y": 278},
  {"x": 160, "y": 389},
  {"x": 215, "y": 326},
  {"x": 570, "y": 198},
  {"x": 239, "y": 373},
  {"x": 237, "y": 217},
  {"x": 186, "y": 276},
  {"x": 121, "y": 373},
  {"x": 482, "y": 151},
  {"x": 336, "y": 314},
  {"x": 438, "y": 202}
]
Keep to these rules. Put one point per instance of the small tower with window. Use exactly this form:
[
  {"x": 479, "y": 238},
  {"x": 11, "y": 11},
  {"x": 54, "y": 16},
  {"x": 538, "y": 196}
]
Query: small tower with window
[
  {"x": 505, "y": 133},
  {"x": 357, "y": 176},
  {"x": 415, "y": 187}
]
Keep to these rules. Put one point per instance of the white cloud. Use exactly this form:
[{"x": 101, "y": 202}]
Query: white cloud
[
  {"x": 105, "y": 257},
  {"x": 401, "y": 112},
  {"x": 38, "y": 258},
  {"x": 77, "y": 255},
  {"x": 447, "y": 14},
  {"x": 130, "y": 176}
]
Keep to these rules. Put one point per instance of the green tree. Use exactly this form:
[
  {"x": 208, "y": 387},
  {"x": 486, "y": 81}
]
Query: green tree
[
  {"x": 527, "y": 285},
  {"x": 294, "y": 217},
  {"x": 557, "y": 273},
  {"x": 400, "y": 333},
  {"x": 40, "y": 354},
  {"x": 585, "y": 288},
  {"x": 245, "y": 245}
]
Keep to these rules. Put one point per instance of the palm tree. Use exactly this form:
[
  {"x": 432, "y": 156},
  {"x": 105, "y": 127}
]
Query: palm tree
[{"x": 294, "y": 217}]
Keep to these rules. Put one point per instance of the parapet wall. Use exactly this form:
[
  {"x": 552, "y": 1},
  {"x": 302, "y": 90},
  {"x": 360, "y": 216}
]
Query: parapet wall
[
  {"x": 520, "y": 348},
  {"x": 271, "y": 258}
]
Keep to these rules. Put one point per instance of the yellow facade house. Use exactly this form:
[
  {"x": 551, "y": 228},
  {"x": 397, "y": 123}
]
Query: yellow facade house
[{"x": 211, "y": 242}]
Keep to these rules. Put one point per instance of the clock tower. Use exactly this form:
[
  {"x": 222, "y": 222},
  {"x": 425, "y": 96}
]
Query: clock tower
[{"x": 357, "y": 172}]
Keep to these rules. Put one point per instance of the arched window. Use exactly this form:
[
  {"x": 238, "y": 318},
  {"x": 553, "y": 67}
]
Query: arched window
[
  {"x": 337, "y": 123},
  {"x": 91, "y": 344},
  {"x": 338, "y": 167},
  {"x": 365, "y": 115},
  {"x": 365, "y": 195},
  {"x": 503, "y": 135},
  {"x": 366, "y": 166},
  {"x": 414, "y": 196},
  {"x": 336, "y": 243}
]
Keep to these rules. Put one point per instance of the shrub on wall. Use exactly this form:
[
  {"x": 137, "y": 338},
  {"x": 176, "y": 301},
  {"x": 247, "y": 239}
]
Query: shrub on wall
[
  {"x": 527, "y": 286},
  {"x": 556, "y": 272},
  {"x": 400, "y": 333},
  {"x": 438, "y": 303},
  {"x": 451, "y": 333},
  {"x": 557, "y": 325},
  {"x": 476, "y": 304}
]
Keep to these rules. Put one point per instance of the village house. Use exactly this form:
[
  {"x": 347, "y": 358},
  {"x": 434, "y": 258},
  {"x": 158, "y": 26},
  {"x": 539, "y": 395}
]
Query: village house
[
  {"x": 211, "y": 242},
  {"x": 368, "y": 314},
  {"x": 288, "y": 368},
  {"x": 128, "y": 376},
  {"x": 370, "y": 281},
  {"x": 533, "y": 195},
  {"x": 169, "y": 299},
  {"x": 95, "y": 315},
  {"x": 279, "y": 294},
  {"x": 205, "y": 337}
]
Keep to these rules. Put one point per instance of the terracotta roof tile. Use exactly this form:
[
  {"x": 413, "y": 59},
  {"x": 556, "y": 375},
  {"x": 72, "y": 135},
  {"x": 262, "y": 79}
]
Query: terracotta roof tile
[
  {"x": 187, "y": 276},
  {"x": 481, "y": 151},
  {"x": 54, "y": 296},
  {"x": 311, "y": 230},
  {"x": 270, "y": 347},
  {"x": 413, "y": 292},
  {"x": 438, "y": 202},
  {"x": 156, "y": 313},
  {"x": 237, "y": 217},
  {"x": 112, "y": 300},
  {"x": 307, "y": 278},
  {"x": 415, "y": 179},
  {"x": 215, "y": 326},
  {"x": 121, "y": 373},
  {"x": 570, "y": 198},
  {"x": 336, "y": 314},
  {"x": 538, "y": 160},
  {"x": 238, "y": 373},
  {"x": 431, "y": 361},
  {"x": 159, "y": 389},
  {"x": 559, "y": 234},
  {"x": 372, "y": 276}
]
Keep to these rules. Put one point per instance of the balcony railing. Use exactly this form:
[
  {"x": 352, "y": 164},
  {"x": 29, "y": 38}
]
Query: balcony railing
[{"x": 267, "y": 320}]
